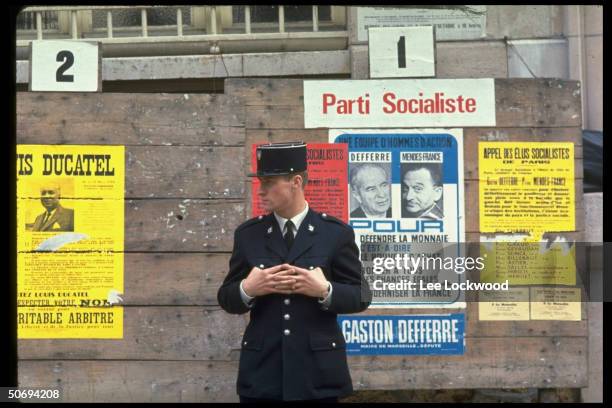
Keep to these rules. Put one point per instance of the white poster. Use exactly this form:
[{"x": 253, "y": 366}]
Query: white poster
[
  {"x": 412, "y": 103},
  {"x": 452, "y": 23},
  {"x": 406, "y": 207}
]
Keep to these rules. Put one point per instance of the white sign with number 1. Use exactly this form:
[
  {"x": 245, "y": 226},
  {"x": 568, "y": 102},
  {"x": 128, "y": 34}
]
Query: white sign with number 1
[
  {"x": 402, "y": 52},
  {"x": 65, "y": 66}
]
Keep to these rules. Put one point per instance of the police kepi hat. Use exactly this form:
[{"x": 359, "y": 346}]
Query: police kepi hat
[{"x": 280, "y": 159}]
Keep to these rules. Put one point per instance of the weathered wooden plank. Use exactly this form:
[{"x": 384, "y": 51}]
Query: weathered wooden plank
[
  {"x": 537, "y": 103},
  {"x": 472, "y": 136},
  {"x": 274, "y": 117},
  {"x": 194, "y": 278},
  {"x": 125, "y": 119},
  {"x": 152, "y": 333},
  {"x": 184, "y": 171},
  {"x": 534, "y": 134},
  {"x": 133, "y": 381},
  {"x": 266, "y": 91},
  {"x": 190, "y": 225},
  {"x": 546, "y": 362},
  {"x": 256, "y": 136},
  {"x": 472, "y": 221}
]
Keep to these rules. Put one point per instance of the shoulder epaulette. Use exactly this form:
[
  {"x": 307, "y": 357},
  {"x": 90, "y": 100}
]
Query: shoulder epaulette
[
  {"x": 252, "y": 221},
  {"x": 331, "y": 218}
]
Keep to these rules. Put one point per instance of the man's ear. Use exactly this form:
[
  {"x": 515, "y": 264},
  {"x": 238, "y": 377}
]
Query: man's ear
[
  {"x": 297, "y": 182},
  {"x": 438, "y": 190},
  {"x": 356, "y": 196}
]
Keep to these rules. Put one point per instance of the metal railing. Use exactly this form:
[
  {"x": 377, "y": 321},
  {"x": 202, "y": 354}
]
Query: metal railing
[{"x": 75, "y": 23}]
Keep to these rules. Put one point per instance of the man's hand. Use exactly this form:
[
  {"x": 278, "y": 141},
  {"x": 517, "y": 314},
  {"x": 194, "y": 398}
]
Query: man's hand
[
  {"x": 276, "y": 279},
  {"x": 310, "y": 282}
]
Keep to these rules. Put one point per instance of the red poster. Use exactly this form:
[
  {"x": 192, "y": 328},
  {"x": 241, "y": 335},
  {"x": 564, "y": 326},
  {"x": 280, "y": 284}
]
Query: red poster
[{"x": 327, "y": 187}]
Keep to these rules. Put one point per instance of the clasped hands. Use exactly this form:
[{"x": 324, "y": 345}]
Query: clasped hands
[{"x": 286, "y": 279}]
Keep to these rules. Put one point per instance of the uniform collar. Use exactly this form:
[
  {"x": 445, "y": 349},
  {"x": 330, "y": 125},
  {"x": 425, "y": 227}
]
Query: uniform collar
[{"x": 297, "y": 220}]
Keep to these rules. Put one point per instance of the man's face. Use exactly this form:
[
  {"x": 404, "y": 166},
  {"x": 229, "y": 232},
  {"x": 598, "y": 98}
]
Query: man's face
[
  {"x": 373, "y": 190},
  {"x": 276, "y": 193},
  {"x": 49, "y": 197},
  {"x": 418, "y": 191}
]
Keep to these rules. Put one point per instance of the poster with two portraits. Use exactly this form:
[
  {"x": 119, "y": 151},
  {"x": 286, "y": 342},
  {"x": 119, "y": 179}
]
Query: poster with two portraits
[{"x": 405, "y": 196}]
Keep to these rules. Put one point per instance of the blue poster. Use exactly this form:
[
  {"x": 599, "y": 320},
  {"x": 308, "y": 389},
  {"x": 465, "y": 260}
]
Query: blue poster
[
  {"x": 406, "y": 206},
  {"x": 404, "y": 334}
]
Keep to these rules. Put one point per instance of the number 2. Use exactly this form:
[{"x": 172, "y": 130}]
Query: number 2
[{"x": 68, "y": 59}]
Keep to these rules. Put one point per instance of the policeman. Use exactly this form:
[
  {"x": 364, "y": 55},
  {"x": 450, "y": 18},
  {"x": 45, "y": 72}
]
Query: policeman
[{"x": 294, "y": 269}]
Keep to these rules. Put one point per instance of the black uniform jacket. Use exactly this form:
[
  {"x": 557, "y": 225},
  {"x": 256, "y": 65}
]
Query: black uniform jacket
[{"x": 292, "y": 349}]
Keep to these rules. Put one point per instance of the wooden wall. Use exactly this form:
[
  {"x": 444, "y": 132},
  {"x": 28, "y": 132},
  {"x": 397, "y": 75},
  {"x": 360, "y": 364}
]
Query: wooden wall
[{"x": 186, "y": 191}]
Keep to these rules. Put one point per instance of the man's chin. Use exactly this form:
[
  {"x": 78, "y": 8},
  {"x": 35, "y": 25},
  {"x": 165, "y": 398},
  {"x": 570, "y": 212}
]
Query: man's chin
[{"x": 414, "y": 213}]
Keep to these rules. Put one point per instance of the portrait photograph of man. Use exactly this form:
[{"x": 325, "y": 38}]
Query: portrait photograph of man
[
  {"x": 370, "y": 185},
  {"x": 422, "y": 190},
  {"x": 55, "y": 217}
]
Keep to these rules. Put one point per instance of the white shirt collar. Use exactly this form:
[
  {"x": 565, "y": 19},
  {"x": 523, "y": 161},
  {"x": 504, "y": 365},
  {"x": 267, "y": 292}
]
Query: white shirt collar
[{"x": 297, "y": 220}]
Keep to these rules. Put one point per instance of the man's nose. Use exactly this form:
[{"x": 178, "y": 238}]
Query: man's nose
[
  {"x": 381, "y": 192},
  {"x": 409, "y": 194}
]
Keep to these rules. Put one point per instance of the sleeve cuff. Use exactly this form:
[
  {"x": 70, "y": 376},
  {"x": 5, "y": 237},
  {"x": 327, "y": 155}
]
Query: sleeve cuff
[
  {"x": 327, "y": 301},
  {"x": 248, "y": 300}
]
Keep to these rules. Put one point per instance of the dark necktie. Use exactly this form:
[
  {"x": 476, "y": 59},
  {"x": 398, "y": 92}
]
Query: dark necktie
[{"x": 288, "y": 237}]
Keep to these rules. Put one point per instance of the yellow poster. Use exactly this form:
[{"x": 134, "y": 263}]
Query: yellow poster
[
  {"x": 70, "y": 223},
  {"x": 526, "y": 198},
  {"x": 501, "y": 305},
  {"x": 526, "y": 187},
  {"x": 514, "y": 258},
  {"x": 555, "y": 304}
]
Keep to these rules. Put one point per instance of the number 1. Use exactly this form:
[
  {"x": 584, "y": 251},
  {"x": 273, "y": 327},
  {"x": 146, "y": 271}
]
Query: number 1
[{"x": 401, "y": 52}]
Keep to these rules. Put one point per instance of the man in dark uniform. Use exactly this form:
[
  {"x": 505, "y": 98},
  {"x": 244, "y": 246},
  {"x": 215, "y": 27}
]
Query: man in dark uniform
[{"x": 294, "y": 269}]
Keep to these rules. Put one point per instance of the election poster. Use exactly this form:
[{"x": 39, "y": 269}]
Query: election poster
[
  {"x": 526, "y": 187},
  {"x": 325, "y": 190},
  {"x": 526, "y": 198},
  {"x": 405, "y": 205},
  {"x": 512, "y": 304},
  {"x": 554, "y": 303},
  {"x": 404, "y": 334},
  {"x": 70, "y": 241},
  {"x": 451, "y": 24}
]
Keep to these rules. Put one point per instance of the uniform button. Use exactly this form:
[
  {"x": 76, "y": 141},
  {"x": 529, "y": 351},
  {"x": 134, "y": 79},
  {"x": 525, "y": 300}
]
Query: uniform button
[
  {"x": 261, "y": 266},
  {"x": 324, "y": 215},
  {"x": 287, "y": 302},
  {"x": 311, "y": 268},
  {"x": 287, "y": 317},
  {"x": 245, "y": 343},
  {"x": 333, "y": 344},
  {"x": 287, "y": 332}
]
